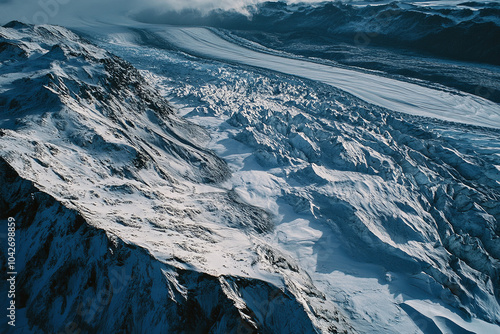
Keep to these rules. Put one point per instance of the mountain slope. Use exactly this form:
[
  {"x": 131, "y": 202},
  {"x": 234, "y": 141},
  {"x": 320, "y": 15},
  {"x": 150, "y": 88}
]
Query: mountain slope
[
  {"x": 75, "y": 277},
  {"x": 118, "y": 206}
]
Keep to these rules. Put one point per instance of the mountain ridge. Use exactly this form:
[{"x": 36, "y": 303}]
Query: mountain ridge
[{"x": 110, "y": 158}]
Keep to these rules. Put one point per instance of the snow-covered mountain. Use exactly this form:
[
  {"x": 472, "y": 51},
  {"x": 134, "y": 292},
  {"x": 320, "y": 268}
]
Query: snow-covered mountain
[
  {"x": 121, "y": 224},
  {"x": 270, "y": 199}
]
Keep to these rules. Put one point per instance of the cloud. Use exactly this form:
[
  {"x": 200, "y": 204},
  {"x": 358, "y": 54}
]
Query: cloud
[{"x": 67, "y": 11}]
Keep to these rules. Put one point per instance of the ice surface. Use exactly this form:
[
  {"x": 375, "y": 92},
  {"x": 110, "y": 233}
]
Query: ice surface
[{"x": 388, "y": 93}]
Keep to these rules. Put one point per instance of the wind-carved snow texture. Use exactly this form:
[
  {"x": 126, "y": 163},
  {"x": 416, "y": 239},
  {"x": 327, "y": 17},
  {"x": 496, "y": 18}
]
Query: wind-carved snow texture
[
  {"x": 414, "y": 196},
  {"x": 123, "y": 225}
]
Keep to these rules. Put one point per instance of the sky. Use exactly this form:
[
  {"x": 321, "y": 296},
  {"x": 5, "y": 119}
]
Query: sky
[{"x": 64, "y": 11}]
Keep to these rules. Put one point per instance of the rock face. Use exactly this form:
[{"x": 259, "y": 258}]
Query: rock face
[{"x": 122, "y": 225}]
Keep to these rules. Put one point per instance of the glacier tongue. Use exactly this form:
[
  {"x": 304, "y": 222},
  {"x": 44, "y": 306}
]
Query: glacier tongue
[
  {"x": 122, "y": 221},
  {"x": 389, "y": 93}
]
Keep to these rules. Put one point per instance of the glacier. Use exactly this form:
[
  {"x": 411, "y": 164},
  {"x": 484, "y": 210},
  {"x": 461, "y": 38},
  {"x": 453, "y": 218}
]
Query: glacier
[{"x": 260, "y": 197}]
